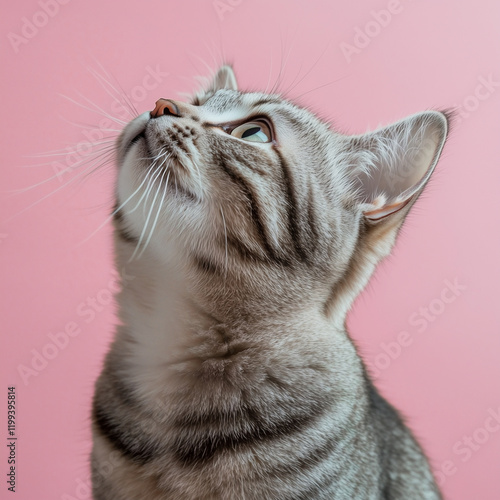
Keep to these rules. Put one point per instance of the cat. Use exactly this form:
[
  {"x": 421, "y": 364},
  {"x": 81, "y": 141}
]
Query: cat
[{"x": 247, "y": 227}]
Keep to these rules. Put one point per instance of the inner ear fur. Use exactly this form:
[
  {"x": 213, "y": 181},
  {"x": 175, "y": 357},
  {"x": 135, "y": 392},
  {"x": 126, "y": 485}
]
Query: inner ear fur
[{"x": 391, "y": 166}]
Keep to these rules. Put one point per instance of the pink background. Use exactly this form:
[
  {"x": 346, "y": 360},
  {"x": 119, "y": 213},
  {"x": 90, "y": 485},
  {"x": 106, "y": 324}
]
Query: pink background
[{"x": 427, "y": 55}]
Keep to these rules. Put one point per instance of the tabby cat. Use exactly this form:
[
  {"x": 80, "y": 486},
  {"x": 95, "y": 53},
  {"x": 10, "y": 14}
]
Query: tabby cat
[{"x": 246, "y": 227}]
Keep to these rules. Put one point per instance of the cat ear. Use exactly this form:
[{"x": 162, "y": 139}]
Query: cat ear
[
  {"x": 224, "y": 78},
  {"x": 392, "y": 165}
]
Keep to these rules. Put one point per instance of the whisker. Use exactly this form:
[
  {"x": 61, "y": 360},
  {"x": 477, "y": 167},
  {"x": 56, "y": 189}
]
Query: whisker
[
  {"x": 89, "y": 126},
  {"x": 96, "y": 106},
  {"x": 148, "y": 189},
  {"x": 63, "y": 152},
  {"x": 116, "y": 96},
  {"x": 106, "y": 158},
  {"x": 288, "y": 53},
  {"x": 73, "y": 179},
  {"x": 155, "y": 157},
  {"x": 97, "y": 111},
  {"x": 73, "y": 165},
  {"x": 285, "y": 91},
  {"x": 321, "y": 86},
  {"x": 124, "y": 94},
  {"x": 143, "y": 232},
  {"x": 216, "y": 61},
  {"x": 207, "y": 66},
  {"x": 157, "y": 213},
  {"x": 282, "y": 68},
  {"x": 102, "y": 155},
  {"x": 270, "y": 74},
  {"x": 292, "y": 85},
  {"x": 146, "y": 178}
]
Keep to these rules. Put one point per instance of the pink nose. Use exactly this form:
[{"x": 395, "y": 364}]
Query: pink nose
[{"x": 164, "y": 107}]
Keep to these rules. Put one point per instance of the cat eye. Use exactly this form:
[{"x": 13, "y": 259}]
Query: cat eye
[{"x": 256, "y": 131}]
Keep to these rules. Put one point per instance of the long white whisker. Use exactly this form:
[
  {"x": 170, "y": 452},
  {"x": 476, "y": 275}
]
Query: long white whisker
[
  {"x": 278, "y": 78},
  {"x": 197, "y": 56},
  {"x": 120, "y": 88},
  {"x": 97, "y": 111},
  {"x": 116, "y": 96},
  {"x": 96, "y": 106},
  {"x": 270, "y": 74},
  {"x": 64, "y": 152},
  {"x": 73, "y": 179},
  {"x": 150, "y": 180},
  {"x": 293, "y": 84},
  {"x": 157, "y": 215},
  {"x": 143, "y": 232},
  {"x": 150, "y": 185},
  {"x": 286, "y": 57},
  {"x": 156, "y": 157},
  {"x": 107, "y": 158},
  {"x": 103, "y": 155},
  {"x": 118, "y": 208},
  {"x": 88, "y": 126},
  {"x": 158, "y": 169},
  {"x": 90, "y": 156},
  {"x": 320, "y": 87}
]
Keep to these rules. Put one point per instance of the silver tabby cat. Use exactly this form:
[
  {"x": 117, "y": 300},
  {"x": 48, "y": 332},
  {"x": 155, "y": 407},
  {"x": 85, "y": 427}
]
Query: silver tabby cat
[{"x": 245, "y": 227}]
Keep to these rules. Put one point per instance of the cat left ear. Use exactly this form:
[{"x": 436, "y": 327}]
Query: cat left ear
[
  {"x": 392, "y": 165},
  {"x": 224, "y": 78}
]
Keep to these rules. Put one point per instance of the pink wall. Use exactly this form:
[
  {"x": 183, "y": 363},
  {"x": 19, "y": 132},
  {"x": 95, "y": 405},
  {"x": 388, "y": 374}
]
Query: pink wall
[{"x": 417, "y": 55}]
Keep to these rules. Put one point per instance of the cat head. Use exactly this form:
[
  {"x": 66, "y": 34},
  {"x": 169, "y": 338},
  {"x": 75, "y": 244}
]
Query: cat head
[{"x": 262, "y": 204}]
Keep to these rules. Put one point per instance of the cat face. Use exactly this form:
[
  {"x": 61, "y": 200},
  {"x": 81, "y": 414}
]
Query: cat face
[{"x": 260, "y": 202}]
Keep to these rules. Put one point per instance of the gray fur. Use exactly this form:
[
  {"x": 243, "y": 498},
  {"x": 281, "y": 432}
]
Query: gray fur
[{"x": 232, "y": 375}]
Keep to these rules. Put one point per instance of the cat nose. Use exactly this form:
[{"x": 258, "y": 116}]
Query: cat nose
[{"x": 165, "y": 107}]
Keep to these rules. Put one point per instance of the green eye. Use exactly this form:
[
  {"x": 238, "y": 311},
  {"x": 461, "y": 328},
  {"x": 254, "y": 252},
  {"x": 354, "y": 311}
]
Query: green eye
[{"x": 253, "y": 132}]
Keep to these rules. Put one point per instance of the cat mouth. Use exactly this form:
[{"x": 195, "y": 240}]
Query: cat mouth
[
  {"x": 134, "y": 140},
  {"x": 166, "y": 153},
  {"x": 173, "y": 145}
]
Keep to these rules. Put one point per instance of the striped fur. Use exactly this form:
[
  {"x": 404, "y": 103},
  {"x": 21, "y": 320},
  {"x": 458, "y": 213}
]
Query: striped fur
[{"x": 231, "y": 375}]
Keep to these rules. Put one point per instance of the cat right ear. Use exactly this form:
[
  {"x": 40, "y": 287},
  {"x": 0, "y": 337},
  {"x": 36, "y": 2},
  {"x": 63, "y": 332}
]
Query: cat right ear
[
  {"x": 391, "y": 166},
  {"x": 224, "y": 78}
]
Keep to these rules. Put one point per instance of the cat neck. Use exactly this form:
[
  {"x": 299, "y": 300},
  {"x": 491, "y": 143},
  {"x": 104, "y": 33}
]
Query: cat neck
[{"x": 171, "y": 333}]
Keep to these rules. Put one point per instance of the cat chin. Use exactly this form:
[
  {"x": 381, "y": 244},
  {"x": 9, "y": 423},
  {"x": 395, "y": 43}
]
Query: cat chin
[{"x": 154, "y": 209}]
